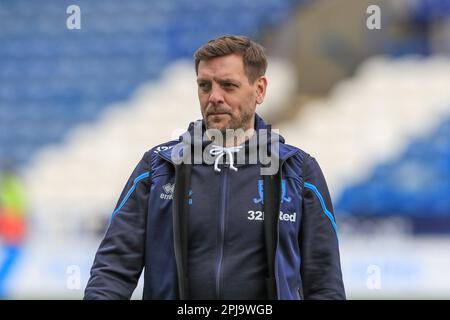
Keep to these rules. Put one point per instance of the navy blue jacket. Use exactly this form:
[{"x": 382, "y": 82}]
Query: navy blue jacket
[{"x": 147, "y": 232}]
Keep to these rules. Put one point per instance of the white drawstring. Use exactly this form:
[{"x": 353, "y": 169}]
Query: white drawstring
[{"x": 220, "y": 152}]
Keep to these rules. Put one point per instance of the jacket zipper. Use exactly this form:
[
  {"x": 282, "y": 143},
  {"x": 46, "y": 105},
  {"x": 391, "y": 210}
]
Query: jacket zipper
[{"x": 222, "y": 215}]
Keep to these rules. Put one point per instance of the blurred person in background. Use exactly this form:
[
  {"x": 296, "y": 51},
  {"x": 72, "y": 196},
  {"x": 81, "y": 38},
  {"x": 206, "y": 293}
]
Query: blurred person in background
[
  {"x": 223, "y": 230},
  {"x": 13, "y": 207}
]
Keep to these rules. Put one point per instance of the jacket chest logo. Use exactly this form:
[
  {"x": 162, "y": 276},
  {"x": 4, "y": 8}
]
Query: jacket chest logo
[
  {"x": 284, "y": 198},
  {"x": 168, "y": 191}
]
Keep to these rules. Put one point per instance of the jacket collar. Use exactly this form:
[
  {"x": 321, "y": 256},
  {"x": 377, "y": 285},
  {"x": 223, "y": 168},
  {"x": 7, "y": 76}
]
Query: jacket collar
[{"x": 285, "y": 151}]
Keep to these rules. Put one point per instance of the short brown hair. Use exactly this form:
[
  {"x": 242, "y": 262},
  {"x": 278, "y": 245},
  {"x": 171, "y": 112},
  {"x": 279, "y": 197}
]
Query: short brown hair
[{"x": 252, "y": 53}]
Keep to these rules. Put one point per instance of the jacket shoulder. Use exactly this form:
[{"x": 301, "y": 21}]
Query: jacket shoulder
[
  {"x": 295, "y": 159},
  {"x": 153, "y": 158}
]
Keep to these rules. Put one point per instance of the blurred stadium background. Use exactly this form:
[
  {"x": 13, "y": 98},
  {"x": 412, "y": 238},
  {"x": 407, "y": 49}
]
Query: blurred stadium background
[{"x": 78, "y": 108}]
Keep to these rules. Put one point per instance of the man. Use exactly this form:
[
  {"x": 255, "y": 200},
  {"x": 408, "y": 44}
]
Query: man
[{"x": 228, "y": 211}]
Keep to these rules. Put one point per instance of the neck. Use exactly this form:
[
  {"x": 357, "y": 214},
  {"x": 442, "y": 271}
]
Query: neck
[
  {"x": 239, "y": 138},
  {"x": 235, "y": 138}
]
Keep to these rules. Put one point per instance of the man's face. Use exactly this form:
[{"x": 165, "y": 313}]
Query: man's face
[{"x": 227, "y": 98}]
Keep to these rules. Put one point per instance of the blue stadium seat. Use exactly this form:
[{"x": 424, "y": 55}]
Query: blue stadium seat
[{"x": 415, "y": 185}]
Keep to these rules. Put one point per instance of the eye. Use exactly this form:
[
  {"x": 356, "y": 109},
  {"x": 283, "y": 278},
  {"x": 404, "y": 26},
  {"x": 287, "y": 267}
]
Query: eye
[
  {"x": 204, "y": 86},
  {"x": 229, "y": 85}
]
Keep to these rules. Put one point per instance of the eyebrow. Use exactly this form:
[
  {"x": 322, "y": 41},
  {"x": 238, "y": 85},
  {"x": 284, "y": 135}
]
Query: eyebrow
[
  {"x": 228, "y": 80},
  {"x": 219, "y": 80}
]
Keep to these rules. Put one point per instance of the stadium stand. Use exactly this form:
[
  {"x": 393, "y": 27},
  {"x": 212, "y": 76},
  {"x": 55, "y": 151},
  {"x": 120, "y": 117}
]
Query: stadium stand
[
  {"x": 79, "y": 107},
  {"x": 54, "y": 78},
  {"x": 375, "y": 115}
]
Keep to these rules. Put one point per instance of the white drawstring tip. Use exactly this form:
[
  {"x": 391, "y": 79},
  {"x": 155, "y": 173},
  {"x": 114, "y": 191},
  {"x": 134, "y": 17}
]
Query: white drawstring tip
[{"x": 220, "y": 152}]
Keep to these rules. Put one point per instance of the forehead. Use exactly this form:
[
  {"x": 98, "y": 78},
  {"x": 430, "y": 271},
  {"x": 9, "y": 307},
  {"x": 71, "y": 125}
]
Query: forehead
[{"x": 230, "y": 66}]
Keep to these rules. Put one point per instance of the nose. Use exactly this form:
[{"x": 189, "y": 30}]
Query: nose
[{"x": 216, "y": 95}]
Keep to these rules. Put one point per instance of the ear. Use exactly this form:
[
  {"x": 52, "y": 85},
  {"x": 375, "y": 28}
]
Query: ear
[{"x": 261, "y": 87}]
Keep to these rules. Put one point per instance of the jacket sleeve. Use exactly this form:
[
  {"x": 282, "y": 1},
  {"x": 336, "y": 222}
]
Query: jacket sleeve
[
  {"x": 320, "y": 260},
  {"x": 119, "y": 260}
]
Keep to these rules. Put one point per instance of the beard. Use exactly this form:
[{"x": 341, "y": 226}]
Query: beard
[{"x": 234, "y": 123}]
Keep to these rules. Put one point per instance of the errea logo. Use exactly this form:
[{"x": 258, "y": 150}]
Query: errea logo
[{"x": 168, "y": 191}]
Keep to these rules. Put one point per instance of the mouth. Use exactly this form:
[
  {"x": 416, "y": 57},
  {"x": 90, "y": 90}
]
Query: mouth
[{"x": 217, "y": 114}]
